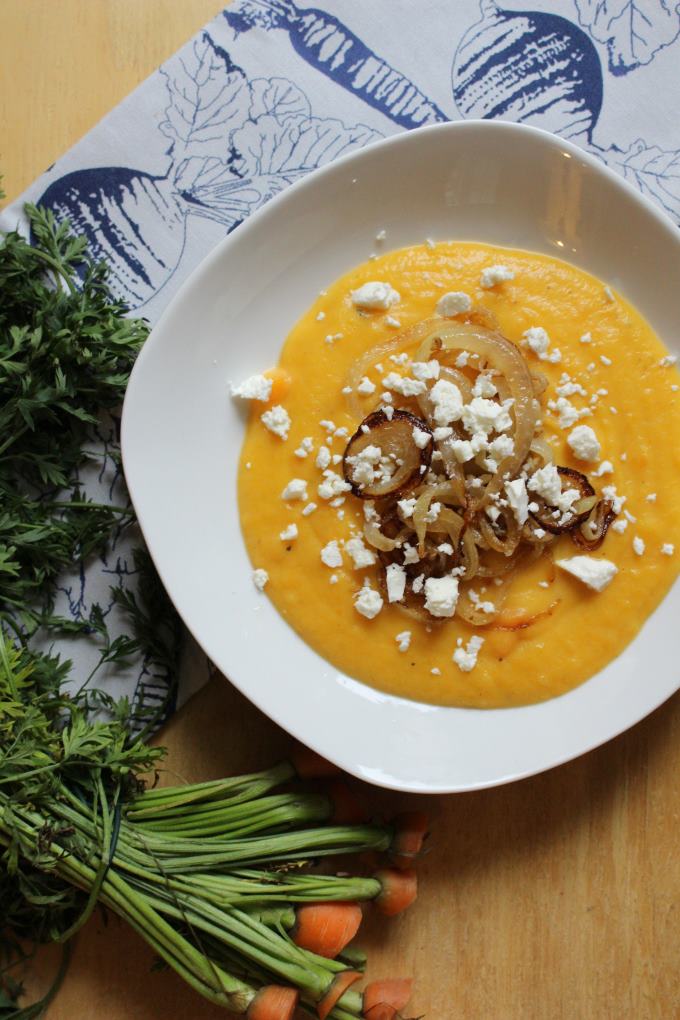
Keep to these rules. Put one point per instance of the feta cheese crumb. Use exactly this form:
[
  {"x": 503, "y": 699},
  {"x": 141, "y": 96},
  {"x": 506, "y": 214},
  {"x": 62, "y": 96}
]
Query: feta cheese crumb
[
  {"x": 306, "y": 446},
  {"x": 516, "y": 491},
  {"x": 368, "y": 602},
  {"x": 403, "y": 640},
  {"x": 605, "y": 468},
  {"x": 402, "y": 384},
  {"x": 289, "y": 533},
  {"x": 436, "y": 671},
  {"x": 638, "y": 546},
  {"x": 391, "y": 321},
  {"x": 331, "y": 555},
  {"x": 620, "y": 525},
  {"x": 277, "y": 420},
  {"x": 323, "y": 458},
  {"x": 260, "y": 578},
  {"x": 668, "y": 359},
  {"x": 583, "y": 443},
  {"x": 433, "y": 513},
  {"x": 667, "y": 549},
  {"x": 425, "y": 369},
  {"x": 320, "y": 316},
  {"x": 406, "y": 507},
  {"x": 441, "y": 595},
  {"x": 333, "y": 485},
  {"x": 495, "y": 274},
  {"x": 361, "y": 556},
  {"x": 255, "y": 387},
  {"x": 375, "y": 295},
  {"x": 538, "y": 341},
  {"x": 421, "y": 438},
  {"x": 309, "y": 509},
  {"x": 454, "y": 302},
  {"x": 333, "y": 579},
  {"x": 484, "y": 386},
  {"x": 466, "y": 658},
  {"x": 447, "y": 402},
  {"x": 605, "y": 360},
  {"x": 596, "y": 574},
  {"x": 410, "y": 553},
  {"x": 366, "y": 386},
  {"x": 586, "y": 338},
  {"x": 296, "y": 489},
  {"x": 395, "y": 577}
]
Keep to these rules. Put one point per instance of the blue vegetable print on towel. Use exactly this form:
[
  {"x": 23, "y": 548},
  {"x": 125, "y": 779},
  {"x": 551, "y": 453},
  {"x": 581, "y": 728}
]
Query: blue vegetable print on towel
[
  {"x": 655, "y": 172},
  {"x": 330, "y": 47},
  {"x": 234, "y": 144},
  {"x": 536, "y": 68},
  {"x": 633, "y": 30}
]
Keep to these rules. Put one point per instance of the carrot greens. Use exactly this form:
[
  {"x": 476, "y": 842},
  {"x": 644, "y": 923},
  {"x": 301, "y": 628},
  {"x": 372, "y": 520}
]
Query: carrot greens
[{"x": 222, "y": 878}]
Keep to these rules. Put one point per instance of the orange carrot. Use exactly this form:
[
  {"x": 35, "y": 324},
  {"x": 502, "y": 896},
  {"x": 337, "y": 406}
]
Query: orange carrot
[
  {"x": 342, "y": 982},
  {"x": 326, "y": 928},
  {"x": 310, "y": 765},
  {"x": 410, "y": 831},
  {"x": 273, "y": 1002},
  {"x": 399, "y": 890},
  {"x": 384, "y": 999},
  {"x": 347, "y": 808}
]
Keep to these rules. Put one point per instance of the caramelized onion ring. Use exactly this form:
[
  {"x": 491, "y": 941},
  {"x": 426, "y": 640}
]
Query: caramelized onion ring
[{"x": 394, "y": 436}]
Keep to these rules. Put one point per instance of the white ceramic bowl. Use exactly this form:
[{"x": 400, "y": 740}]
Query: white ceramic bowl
[{"x": 494, "y": 182}]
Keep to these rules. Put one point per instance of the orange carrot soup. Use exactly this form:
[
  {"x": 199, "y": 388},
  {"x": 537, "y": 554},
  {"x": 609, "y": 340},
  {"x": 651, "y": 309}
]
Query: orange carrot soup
[{"x": 459, "y": 484}]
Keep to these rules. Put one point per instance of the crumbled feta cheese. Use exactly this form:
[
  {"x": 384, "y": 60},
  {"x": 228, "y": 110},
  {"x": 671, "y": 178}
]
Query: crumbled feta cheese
[
  {"x": 586, "y": 338},
  {"x": 320, "y": 316},
  {"x": 366, "y": 386},
  {"x": 421, "y": 438},
  {"x": 375, "y": 295},
  {"x": 328, "y": 425},
  {"x": 445, "y": 548},
  {"x": 651, "y": 497},
  {"x": 395, "y": 577},
  {"x": 399, "y": 359},
  {"x": 583, "y": 443},
  {"x": 402, "y": 384},
  {"x": 667, "y": 549},
  {"x": 538, "y": 341},
  {"x": 498, "y": 450},
  {"x": 346, "y": 390},
  {"x": 436, "y": 671},
  {"x": 391, "y": 321},
  {"x": 260, "y": 578},
  {"x": 368, "y": 602},
  {"x": 605, "y": 468},
  {"x": 668, "y": 359},
  {"x": 406, "y": 507},
  {"x": 609, "y": 492},
  {"x": 289, "y": 533},
  {"x": 453, "y": 303},
  {"x": 484, "y": 386},
  {"x": 495, "y": 274},
  {"x": 433, "y": 513},
  {"x": 410, "y": 553},
  {"x": 403, "y": 640},
  {"x": 306, "y": 446},
  {"x": 548, "y": 484},
  {"x": 447, "y": 402},
  {"x": 330, "y": 338},
  {"x": 466, "y": 658},
  {"x": 333, "y": 485},
  {"x": 482, "y": 416},
  {"x": 620, "y": 525},
  {"x": 516, "y": 491},
  {"x": 425, "y": 369},
  {"x": 596, "y": 574},
  {"x": 605, "y": 360},
  {"x": 388, "y": 412},
  {"x": 361, "y": 556},
  {"x": 441, "y": 595},
  {"x": 417, "y": 583},
  {"x": 296, "y": 489},
  {"x": 331, "y": 555},
  {"x": 309, "y": 509},
  {"x": 638, "y": 546},
  {"x": 255, "y": 387},
  {"x": 443, "y": 432},
  {"x": 323, "y": 458},
  {"x": 277, "y": 420},
  {"x": 567, "y": 414}
]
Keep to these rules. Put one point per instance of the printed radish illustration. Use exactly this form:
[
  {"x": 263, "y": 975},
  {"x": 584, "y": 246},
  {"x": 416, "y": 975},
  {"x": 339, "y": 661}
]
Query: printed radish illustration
[
  {"x": 535, "y": 68},
  {"x": 234, "y": 144},
  {"x": 329, "y": 46}
]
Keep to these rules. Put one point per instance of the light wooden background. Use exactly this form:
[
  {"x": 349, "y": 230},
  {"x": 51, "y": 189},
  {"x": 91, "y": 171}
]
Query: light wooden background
[{"x": 557, "y": 898}]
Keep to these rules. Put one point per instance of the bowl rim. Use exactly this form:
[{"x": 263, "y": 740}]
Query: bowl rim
[{"x": 237, "y": 236}]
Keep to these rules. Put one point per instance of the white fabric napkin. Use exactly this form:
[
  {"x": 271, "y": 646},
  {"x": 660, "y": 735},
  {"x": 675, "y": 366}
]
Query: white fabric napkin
[{"x": 271, "y": 89}]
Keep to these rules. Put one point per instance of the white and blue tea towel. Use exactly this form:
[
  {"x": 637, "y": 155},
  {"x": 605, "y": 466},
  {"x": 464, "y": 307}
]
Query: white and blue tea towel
[{"x": 271, "y": 89}]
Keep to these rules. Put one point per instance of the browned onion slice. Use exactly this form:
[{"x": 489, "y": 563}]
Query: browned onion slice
[
  {"x": 593, "y": 530},
  {"x": 395, "y": 438},
  {"x": 544, "y": 515}
]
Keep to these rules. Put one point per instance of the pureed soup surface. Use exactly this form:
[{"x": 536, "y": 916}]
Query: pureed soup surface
[{"x": 635, "y": 406}]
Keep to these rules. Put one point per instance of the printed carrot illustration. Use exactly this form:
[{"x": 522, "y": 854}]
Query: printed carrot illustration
[{"x": 325, "y": 43}]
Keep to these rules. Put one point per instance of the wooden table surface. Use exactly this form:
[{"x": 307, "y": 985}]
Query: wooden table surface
[{"x": 556, "y": 898}]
